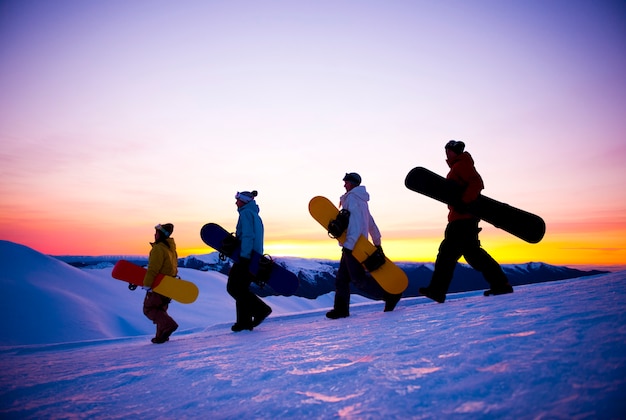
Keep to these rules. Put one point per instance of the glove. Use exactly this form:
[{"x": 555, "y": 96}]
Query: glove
[
  {"x": 147, "y": 288},
  {"x": 380, "y": 248},
  {"x": 463, "y": 207},
  {"x": 244, "y": 263}
]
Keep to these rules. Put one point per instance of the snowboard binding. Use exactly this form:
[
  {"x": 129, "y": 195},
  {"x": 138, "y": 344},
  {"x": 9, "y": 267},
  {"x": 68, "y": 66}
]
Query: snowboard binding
[
  {"x": 265, "y": 270},
  {"x": 375, "y": 261},
  {"x": 229, "y": 244},
  {"x": 338, "y": 226}
]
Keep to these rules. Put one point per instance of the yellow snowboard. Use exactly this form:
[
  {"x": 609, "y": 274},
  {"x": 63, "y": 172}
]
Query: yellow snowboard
[
  {"x": 390, "y": 277},
  {"x": 180, "y": 290}
]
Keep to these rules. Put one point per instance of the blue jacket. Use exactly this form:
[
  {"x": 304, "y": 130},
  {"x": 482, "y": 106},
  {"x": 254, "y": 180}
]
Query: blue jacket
[{"x": 250, "y": 229}]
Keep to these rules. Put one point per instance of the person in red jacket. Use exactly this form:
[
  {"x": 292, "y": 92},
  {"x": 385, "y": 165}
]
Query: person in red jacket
[
  {"x": 461, "y": 235},
  {"x": 163, "y": 260}
]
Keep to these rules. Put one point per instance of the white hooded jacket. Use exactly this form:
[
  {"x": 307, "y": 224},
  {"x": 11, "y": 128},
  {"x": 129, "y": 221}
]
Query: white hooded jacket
[{"x": 361, "y": 221}]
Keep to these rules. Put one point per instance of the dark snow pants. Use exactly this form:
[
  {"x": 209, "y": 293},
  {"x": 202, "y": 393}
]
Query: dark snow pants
[
  {"x": 247, "y": 303},
  {"x": 155, "y": 309},
  {"x": 351, "y": 270},
  {"x": 461, "y": 239}
]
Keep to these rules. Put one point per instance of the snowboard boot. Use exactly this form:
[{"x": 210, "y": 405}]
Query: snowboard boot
[
  {"x": 258, "y": 319},
  {"x": 391, "y": 301},
  {"x": 169, "y": 331},
  {"x": 336, "y": 314},
  {"x": 431, "y": 294},
  {"x": 240, "y": 326},
  {"x": 165, "y": 335},
  {"x": 341, "y": 309},
  {"x": 502, "y": 290}
]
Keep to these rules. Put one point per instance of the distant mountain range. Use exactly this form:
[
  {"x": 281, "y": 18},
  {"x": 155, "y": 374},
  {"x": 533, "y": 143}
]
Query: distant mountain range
[{"x": 317, "y": 276}]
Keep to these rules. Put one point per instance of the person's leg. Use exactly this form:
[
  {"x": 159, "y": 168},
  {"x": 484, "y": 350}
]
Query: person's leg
[
  {"x": 481, "y": 261},
  {"x": 260, "y": 310},
  {"x": 368, "y": 284},
  {"x": 151, "y": 308},
  {"x": 238, "y": 287},
  {"x": 361, "y": 279},
  {"x": 449, "y": 253},
  {"x": 155, "y": 309},
  {"x": 341, "y": 307}
]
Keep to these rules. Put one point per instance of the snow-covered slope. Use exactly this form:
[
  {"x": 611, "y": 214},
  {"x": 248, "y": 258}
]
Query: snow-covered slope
[
  {"x": 549, "y": 350},
  {"x": 49, "y": 301}
]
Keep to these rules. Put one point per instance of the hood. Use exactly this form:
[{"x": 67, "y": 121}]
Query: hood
[
  {"x": 359, "y": 192},
  {"x": 464, "y": 157},
  {"x": 170, "y": 241},
  {"x": 251, "y": 206}
]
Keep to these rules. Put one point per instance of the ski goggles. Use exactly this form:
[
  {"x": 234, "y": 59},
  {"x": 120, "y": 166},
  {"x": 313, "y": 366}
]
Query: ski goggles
[
  {"x": 162, "y": 229},
  {"x": 246, "y": 197}
]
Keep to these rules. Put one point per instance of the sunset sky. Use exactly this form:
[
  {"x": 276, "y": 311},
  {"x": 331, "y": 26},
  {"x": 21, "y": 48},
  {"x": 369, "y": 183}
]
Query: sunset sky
[{"x": 117, "y": 115}]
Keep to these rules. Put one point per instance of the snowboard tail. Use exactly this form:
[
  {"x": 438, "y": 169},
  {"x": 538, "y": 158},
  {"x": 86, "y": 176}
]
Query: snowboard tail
[
  {"x": 182, "y": 291},
  {"x": 390, "y": 277},
  {"x": 262, "y": 267},
  {"x": 526, "y": 226}
]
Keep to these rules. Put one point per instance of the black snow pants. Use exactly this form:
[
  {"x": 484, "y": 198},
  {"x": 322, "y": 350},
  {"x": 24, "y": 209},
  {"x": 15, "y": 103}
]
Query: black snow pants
[
  {"x": 351, "y": 270},
  {"x": 461, "y": 239},
  {"x": 247, "y": 303}
]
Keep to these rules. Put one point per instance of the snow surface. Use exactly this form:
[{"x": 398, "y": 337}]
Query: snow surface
[{"x": 78, "y": 346}]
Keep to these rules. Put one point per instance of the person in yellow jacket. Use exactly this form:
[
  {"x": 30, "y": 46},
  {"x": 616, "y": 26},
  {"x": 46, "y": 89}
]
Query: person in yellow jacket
[{"x": 163, "y": 260}]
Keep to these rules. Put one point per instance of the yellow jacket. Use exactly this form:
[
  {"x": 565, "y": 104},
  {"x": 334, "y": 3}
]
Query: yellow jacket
[{"x": 162, "y": 260}]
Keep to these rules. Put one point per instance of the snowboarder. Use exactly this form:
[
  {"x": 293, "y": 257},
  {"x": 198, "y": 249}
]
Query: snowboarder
[
  {"x": 461, "y": 235},
  {"x": 163, "y": 260},
  {"x": 360, "y": 222},
  {"x": 251, "y": 310}
]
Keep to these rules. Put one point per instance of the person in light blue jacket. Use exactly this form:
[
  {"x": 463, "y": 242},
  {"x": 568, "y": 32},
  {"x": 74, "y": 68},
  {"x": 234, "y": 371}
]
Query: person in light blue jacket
[{"x": 251, "y": 310}]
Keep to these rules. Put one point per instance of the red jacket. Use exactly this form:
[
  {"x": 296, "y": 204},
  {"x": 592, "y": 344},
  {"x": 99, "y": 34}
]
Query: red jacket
[{"x": 463, "y": 172}]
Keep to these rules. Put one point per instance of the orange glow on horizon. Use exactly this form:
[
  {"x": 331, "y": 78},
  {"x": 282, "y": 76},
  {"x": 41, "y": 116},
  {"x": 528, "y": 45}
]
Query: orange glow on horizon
[
  {"x": 563, "y": 249},
  {"x": 554, "y": 249},
  {"x": 583, "y": 243},
  {"x": 599, "y": 240}
]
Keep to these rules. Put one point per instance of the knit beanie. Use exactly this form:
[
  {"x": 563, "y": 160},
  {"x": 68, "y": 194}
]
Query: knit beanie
[
  {"x": 166, "y": 228},
  {"x": 456, "y": 146},
  {"x": 353, "y": 177},
  {"x": 246, "y": 196}
]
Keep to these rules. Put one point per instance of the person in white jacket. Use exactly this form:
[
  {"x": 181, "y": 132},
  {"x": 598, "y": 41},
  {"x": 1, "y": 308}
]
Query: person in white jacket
[{"x": 361, "y": 222}]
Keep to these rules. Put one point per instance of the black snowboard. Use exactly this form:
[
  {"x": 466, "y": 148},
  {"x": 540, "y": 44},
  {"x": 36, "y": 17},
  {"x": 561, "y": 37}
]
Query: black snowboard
[
  {"x": 283, "y": 281},
  {"x": 524, "y": 225}
]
